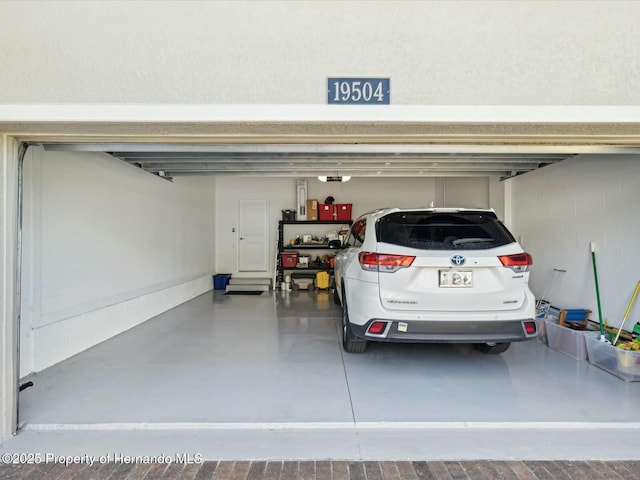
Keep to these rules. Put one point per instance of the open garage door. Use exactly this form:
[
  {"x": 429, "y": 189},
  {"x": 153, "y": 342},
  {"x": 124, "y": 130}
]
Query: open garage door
[
  {"x": 254, "y": 160},
  {"x": 311, "y": 160}
]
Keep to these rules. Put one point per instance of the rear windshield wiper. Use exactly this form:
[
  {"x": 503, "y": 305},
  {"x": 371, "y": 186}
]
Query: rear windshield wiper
[{"x": 466, "y": 241}]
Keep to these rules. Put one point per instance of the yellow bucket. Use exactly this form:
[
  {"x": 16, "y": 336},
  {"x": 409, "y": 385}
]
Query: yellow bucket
[{"x": 322, "y": 280}]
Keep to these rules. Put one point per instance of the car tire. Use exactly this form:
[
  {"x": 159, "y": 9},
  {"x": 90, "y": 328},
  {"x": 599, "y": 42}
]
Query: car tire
[
  {"x": 492, "y": 348},
  {"x": 350, "y": 342},
  {"x": 336, "y": 297}
]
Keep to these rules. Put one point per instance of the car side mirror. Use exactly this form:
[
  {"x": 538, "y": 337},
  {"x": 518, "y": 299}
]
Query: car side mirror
[{"x": 335, "y": 244}]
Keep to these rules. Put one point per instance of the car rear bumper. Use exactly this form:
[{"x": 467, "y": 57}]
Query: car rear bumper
[
  {"x": 447, "y": 331},
  {"x": 364, "y": 306}
]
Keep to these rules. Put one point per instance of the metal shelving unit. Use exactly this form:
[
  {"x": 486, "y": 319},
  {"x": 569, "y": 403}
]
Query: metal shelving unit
[{"x": 283, "y": 249}]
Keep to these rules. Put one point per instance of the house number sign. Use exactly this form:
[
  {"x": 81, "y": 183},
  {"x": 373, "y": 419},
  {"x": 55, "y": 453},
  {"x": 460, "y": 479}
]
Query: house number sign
[{"x": 358, "y": 91}]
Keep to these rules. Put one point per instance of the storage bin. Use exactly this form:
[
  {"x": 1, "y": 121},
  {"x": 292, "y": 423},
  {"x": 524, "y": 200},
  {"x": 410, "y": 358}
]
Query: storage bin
[
  {"x": 550, "y": 315},
  {"x": 624, "y": 364},
  {"x": 288, "y": 215},
  {"x": 567, "y": 340},
  {"x": 326, "y": 212},
  {"x": 343, "y": 211},
  {"x": 628, "y": 362},
  {"x": 221, "y": 280},
  {"x": 289, "y": 260},
  {"x": 542, "y": 330},
  {"x": 303, "y": 261},
  {"x": 303, "y": 281}
]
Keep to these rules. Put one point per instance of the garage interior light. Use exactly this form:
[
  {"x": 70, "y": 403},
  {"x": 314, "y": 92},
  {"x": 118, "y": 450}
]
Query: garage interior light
[{"x": 337, "y": 178}]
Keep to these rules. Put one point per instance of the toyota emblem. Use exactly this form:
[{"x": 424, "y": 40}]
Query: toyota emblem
[{"x": 457, "y": 260}]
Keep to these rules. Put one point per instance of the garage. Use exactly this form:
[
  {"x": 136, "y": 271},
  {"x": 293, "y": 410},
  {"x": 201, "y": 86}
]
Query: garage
[
  {"x": 116, "y": 218},
  {"x": 187, "y": 356}
]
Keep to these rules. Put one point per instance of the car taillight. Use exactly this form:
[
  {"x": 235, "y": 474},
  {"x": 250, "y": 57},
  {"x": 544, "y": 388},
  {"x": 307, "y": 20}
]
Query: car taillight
[
  {"x": 384, "y": 262},
  {"x": 519, "y": 262}
]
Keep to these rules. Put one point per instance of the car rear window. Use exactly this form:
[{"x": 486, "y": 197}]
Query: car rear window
[{"x": 443, "y": 231}]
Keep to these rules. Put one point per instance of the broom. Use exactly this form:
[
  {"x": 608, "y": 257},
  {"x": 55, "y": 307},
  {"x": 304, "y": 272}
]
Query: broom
[
  {"x": 595, "y": 276},
  {"x": 626, "y": 314}
]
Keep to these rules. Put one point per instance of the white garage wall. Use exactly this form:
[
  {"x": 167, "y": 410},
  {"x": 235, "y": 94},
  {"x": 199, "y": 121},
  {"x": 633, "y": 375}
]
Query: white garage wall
[
  {"x": 280, "y": 194},
  {"x": 368, "y": 193},
  {"x": 559, "y": 209},
  {"x": 365, "y": 194},
  {"x": 436, "y": 52},
  {"x": 472, "y": 193},
  {"x": 106, "y": 247}
]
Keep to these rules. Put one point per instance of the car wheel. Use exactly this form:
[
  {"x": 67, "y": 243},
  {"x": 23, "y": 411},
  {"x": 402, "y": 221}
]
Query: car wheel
[
  {"x": 492, "y": 348},
  {"x": 336, "y": 297},
  {"x": 350, "y": 342}
]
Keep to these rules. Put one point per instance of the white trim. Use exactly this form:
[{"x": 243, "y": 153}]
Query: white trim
[
  {"x": 339, "y": 149},
  {"x": 84, "y": 308},
  {"x": 484, "y": 114},
  {"x": 335, "y": 426},
  {"x": 508, "y": 205},
  {"x": 8, "y": 324}
]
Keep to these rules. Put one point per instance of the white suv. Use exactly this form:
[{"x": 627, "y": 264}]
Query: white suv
[{"x": 433, "y": 275}]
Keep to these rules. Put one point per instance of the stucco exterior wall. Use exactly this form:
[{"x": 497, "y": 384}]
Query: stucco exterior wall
[{"x": 281, "y": 52}]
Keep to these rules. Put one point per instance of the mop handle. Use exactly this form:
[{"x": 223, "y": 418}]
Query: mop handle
[
  {"x": 595, "y": 276},
  {"x": 626, "y": 314}
]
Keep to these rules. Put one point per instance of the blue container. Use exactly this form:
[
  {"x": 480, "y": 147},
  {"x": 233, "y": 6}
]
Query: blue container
[
  {"x": 576, "y": 315},
  {"x": 220, "y": 281}
]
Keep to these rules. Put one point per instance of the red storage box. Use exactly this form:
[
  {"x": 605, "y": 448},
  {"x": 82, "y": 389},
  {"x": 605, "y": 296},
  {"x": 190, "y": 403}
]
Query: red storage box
[
  {"x": 343, "y": 211},
  {"x": 326, "y": 211},
  {"x": 289, "y": 260}
]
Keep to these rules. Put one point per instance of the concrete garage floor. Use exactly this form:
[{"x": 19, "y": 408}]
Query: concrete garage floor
[{"x": 265, "y": 377}]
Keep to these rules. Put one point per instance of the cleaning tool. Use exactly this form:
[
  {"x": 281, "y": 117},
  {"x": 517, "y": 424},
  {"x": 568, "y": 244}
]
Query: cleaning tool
[
  {"x": 626, "y": 314},
  {"x": 543, "y": 304},
  {"x": 595, "y": 276}
]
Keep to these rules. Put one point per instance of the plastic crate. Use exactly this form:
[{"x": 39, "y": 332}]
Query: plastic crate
[
  {"x": 567, "y": 340},
  {"x": 326, "y": 212},
  {"x": 221, "y": 280},
  {"x": 289, "y": 260},
  {"x": 343, "y": 211},
  {"x": 624, "y": 364},
  {"x": 551, "y": 316}
]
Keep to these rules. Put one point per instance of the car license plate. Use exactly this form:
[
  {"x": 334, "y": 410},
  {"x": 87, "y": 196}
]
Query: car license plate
[{"x": 456, "y": 279}]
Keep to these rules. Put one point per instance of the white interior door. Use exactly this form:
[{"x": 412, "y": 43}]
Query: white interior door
[{"x": 253, "y": 239}]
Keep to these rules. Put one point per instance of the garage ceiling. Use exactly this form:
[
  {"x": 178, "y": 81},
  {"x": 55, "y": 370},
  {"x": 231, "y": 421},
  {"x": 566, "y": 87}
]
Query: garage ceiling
[
  {"x": 307, "y": 160},
  {"x": 310, "y": 140}
]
